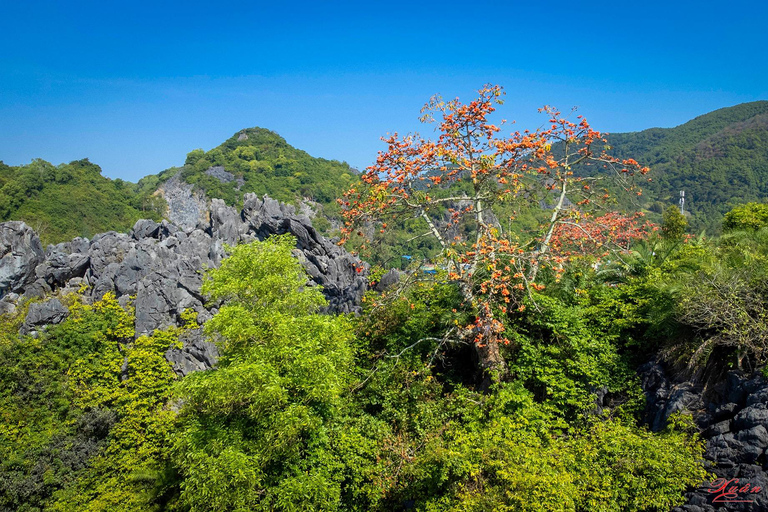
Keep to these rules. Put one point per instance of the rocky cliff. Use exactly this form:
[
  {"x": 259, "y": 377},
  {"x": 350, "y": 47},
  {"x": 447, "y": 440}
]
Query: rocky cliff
[
  {"x": 733, "y": 419},
  {"x": 161, "y": 266}
]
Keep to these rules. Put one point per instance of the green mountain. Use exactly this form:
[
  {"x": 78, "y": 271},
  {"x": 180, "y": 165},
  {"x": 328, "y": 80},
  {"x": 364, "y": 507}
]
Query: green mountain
[
  {"x": 69, "y": 200},
  {"x": 261, "y": 161},
  {"x": 719, "y": 159}
]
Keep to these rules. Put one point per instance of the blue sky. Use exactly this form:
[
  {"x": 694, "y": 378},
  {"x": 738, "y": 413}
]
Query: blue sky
[{"x": 134, "y": 86}]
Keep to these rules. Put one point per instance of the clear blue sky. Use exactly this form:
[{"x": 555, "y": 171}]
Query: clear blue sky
[{"x": 134, "y": 86}]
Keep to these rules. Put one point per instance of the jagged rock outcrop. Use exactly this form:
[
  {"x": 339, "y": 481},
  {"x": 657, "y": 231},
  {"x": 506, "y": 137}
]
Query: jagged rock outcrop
[
  {"x": 218, "y": 172},
  {"x": 45, "y": 313},
  {"x": 388, "y": 280},
  {"x": 20, "y": 254},
  {"x": 733, "y": 420},
  {"x": 162, "y": 265},
  {"x": 194, "y": 355},
  {"x": 187, "y": 206},
  {"x": 340, "y": 274}
]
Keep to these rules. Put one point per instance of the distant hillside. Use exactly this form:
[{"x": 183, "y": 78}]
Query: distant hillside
[
  {"x": 69, "y": 200},
  {"x": 720, "y": 159}
]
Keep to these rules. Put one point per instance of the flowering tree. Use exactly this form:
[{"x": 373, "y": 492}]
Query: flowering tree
[{"x": 459, "y": 183}]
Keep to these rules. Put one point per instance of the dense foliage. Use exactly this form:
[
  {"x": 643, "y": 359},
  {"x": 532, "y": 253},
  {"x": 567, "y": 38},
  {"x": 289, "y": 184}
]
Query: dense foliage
[
  {"x": 69, "y": 200},
  {"x": 746, "y": 217},
  {"x": 257, "y": 433},
  {"x": 85, "y": 412},
  {"x": 316, "y": 412},
  {"x": 720, "y": 290},
  {"x": 674, "y": 223}
]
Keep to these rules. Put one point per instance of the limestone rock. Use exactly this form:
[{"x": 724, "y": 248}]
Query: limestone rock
[
  {"x": 218, "y": 172},
  {"x": 226, "y": 223},
  {"x": 8, "y": 303},
  {"x": 388, "y": 280},
  {"x": 187, "y": 207},
  {"x": 20, "y": 253},
  {"x": 145, "y": 228},
  {"x": 44, "y": 313},
  {"x": 161, "y": 265},
  {"x": 195, "y": 354},
  {"x": 733, "y": 420}
]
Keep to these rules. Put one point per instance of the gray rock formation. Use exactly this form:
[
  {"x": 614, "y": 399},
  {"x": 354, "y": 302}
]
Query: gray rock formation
[
  {"x": 340, "y": 274},
  {"x": 62, "y": 264},
  {"x": 218, "y": 172},
  {"x": 187, "y": 207},
  {"x": 145, "y": 228},
  {"x": 226, "y": 224},
  {"x": 44, "y": 313},
  {"x": 20, "y": 253},
  {"x": 195, "y": 354},
  {"x": 733, "y": 420},
  {"x": 162, "y": 265},
  {"x": 8, "y": 303},
  {"x": 388, "y": 280},
  {"x": 309, "y": 208}
]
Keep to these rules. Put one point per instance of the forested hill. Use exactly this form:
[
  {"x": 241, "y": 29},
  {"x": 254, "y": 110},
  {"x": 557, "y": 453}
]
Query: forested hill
[
  {"x": 261, "y": 161},
  {"x": 69, "y": 200},
  {"x": 719, "y": 159}
]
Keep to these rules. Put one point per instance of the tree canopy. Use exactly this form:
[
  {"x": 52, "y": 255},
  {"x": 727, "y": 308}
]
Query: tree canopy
[{"x": 461, "y": 184}]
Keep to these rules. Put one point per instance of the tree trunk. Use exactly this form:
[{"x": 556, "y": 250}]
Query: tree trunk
[{"x": 491, "y": 363}]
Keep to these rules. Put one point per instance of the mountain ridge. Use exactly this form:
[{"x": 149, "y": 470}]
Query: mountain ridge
[{"x": 719, "y": 158}]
